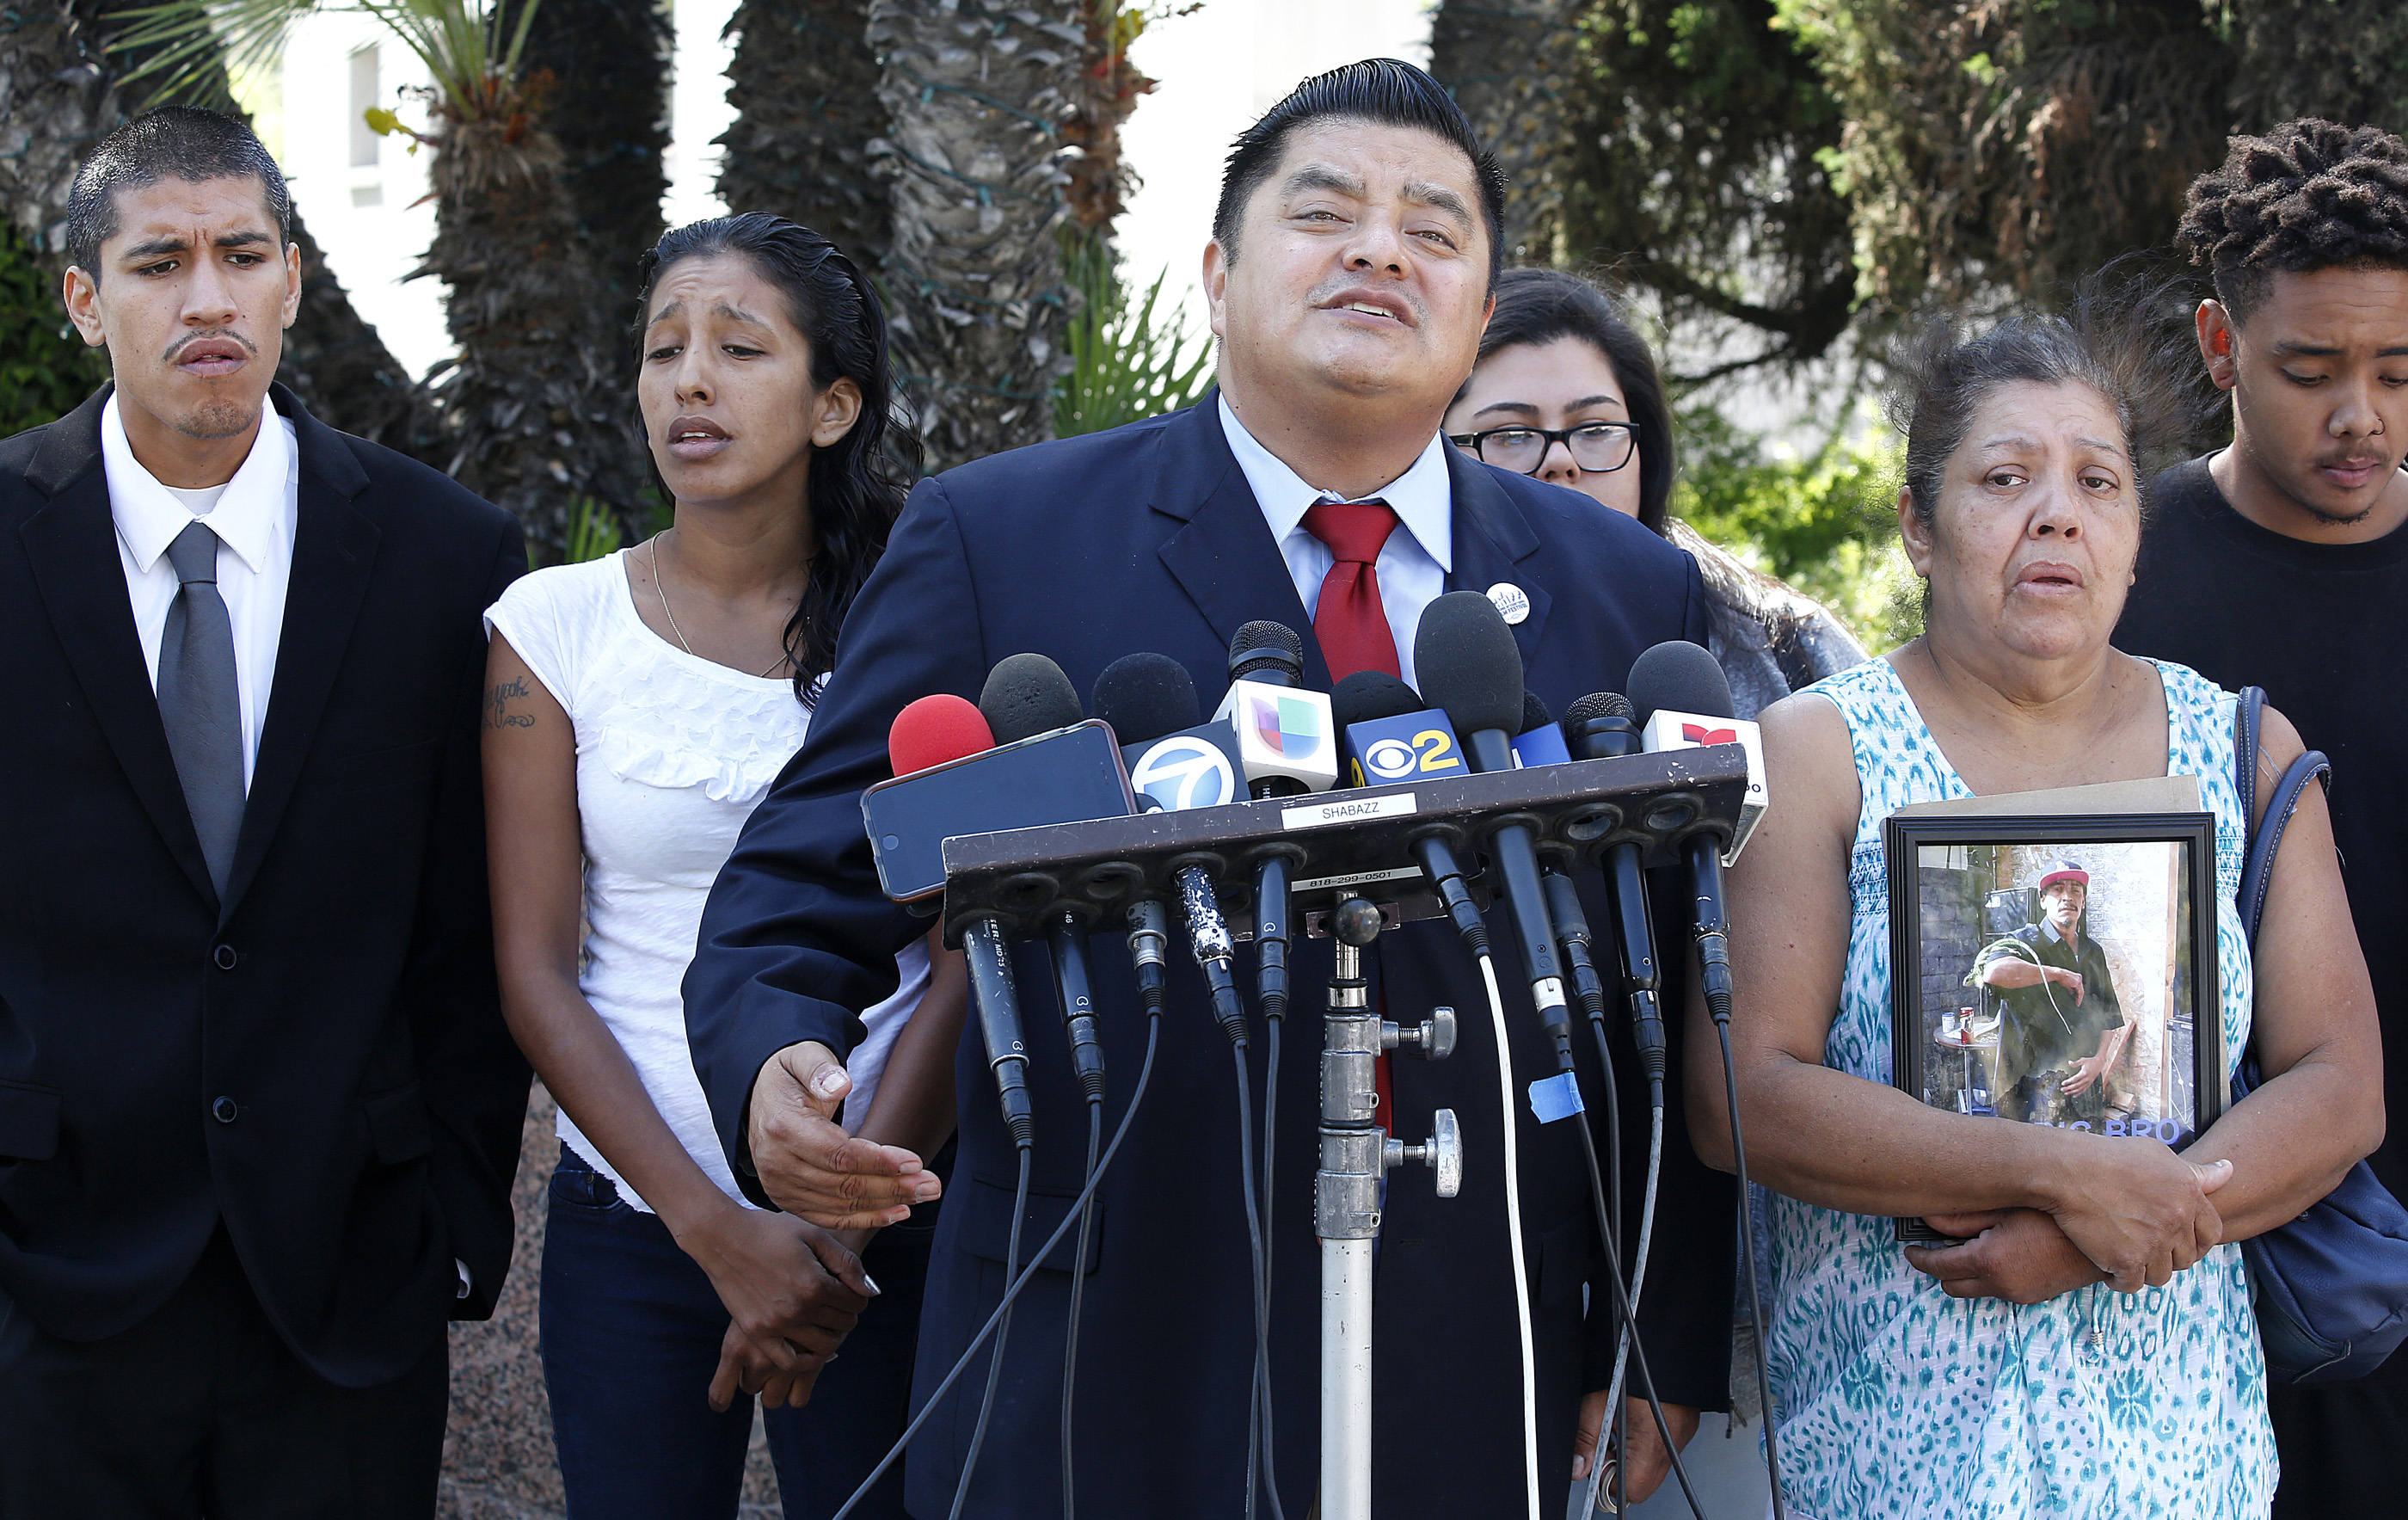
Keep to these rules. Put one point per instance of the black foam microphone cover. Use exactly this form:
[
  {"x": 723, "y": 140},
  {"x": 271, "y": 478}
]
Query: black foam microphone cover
[
  {"x": 1026, "y": 694},
  {"x": 1681, "y": 677},
  {"x": 1470, "y": 666},
  {"x": 1369, "y": 696},
  {"x": 1268, "y": 651},
  {"x": 1598, "y": 705},
  {"x": 1535, "y": 715},
  {"x": 1144, "y": 697}
]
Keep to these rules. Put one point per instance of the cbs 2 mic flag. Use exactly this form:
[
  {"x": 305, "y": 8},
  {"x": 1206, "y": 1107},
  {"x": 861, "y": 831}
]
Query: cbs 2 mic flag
[{"x": 1405, "y": 748}]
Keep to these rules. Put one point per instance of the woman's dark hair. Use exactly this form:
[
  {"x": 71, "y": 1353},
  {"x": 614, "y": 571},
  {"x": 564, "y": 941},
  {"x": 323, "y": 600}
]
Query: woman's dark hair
[
  {"x": 856, "y": 483},
  {"x": 2307, "y": 196},
  {"x": 1380, "y": 89},
  {"x": 1539, "y": 306},
  {"x": 2114, "y": 340}
]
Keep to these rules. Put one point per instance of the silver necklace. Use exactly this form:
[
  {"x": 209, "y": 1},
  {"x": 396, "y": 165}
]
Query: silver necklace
[{"x": 660, "y": 590}]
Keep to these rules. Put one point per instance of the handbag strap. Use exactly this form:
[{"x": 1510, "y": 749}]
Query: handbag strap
[
  {"x": 2248, "y": 709},
  {"x": 2266, "y": 837}
]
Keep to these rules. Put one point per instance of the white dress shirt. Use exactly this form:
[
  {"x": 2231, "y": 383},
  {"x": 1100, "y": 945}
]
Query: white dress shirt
[
  {"x": 253, "y": 516},
  {"x": 1413, "y": 563}
]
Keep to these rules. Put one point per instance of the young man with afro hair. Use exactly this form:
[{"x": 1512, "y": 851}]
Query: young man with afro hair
[{"x": 2281, "y": 561}]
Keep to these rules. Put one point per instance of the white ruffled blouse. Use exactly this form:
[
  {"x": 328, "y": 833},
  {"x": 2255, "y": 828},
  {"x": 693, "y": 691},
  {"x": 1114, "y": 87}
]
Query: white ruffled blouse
[{"x": 673, "y": 752}]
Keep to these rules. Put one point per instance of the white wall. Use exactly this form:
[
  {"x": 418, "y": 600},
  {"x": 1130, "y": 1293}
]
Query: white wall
[
  {"x": 1220, "y": 69},
  {"x": 698, "y": 111},
  {"x": 368, "y": 218}
]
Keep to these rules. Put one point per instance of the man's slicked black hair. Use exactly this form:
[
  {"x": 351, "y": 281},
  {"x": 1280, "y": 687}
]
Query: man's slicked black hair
[
  {"x": 2309, "y": 194},
  {"x": 1380, "y": 89},
  {"x": 174, "y": 142}
]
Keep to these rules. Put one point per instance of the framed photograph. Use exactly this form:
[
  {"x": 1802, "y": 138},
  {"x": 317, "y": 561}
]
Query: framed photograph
[{"x": 2058, "y": 970}]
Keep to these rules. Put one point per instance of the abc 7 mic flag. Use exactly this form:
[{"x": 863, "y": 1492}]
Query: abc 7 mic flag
[{"x": 1196, "y": 767}]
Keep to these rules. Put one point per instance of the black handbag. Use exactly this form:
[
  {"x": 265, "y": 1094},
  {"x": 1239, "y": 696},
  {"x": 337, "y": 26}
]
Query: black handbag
[{"x": 2330, "y": 1287}]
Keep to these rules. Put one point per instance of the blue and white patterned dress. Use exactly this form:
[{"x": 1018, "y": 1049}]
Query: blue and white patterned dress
[{"x": 1895, "y": 1400}]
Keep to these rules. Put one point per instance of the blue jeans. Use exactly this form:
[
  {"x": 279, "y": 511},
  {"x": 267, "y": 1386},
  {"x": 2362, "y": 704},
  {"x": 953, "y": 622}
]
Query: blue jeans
[{"x": 631, "y": 1330}]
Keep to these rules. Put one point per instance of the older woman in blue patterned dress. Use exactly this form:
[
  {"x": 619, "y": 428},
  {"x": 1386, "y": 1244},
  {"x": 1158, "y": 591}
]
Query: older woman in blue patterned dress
[{"x": 2087, "y": 1349}]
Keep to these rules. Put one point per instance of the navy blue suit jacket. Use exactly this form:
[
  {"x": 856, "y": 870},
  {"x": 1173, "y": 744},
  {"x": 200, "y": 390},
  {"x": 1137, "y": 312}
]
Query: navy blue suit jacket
[{"x": 1148, "y": 538}]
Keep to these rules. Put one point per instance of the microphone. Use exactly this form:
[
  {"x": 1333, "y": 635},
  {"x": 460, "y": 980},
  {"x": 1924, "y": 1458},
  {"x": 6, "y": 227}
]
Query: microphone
[
  {"x": 933, "y": 730},
  {"x": 1538, "y": 741},
  {"x": 1174, "y": 762},
  {"x": 1025, "y": 695},
  {"x": 1288, "y": 745},
  {"x": 1284, "y": 734},
  {"x": 1684, "y": 701},
  {"x": 1387, "y": 735},
  {"x": 1471, "y": 668},
  {"x": 1391, "y": 736},
  {"x": 928, "y": 733},
  {"x": 1143, "y": 697},
  {"x": 1598, "y": 727},
  {"x": 1689, "y": 697}
]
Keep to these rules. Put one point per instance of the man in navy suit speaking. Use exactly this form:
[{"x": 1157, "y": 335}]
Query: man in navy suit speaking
[{"x": 1353, "y": 252}]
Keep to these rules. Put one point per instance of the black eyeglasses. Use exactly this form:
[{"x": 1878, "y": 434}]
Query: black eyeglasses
[{"x": 1595, "y": 447}]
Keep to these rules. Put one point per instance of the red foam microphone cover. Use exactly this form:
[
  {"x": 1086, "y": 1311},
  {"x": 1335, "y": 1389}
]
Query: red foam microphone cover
[{"x": 933, "y": 730}]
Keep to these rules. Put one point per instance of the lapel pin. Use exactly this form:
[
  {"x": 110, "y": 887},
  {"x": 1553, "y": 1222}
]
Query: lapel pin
[{"x": 1511, "y": 601}]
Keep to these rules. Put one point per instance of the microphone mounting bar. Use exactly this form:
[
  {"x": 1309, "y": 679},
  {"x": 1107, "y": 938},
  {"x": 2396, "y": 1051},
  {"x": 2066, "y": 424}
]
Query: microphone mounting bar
[{"x": 1360, "y": 838}]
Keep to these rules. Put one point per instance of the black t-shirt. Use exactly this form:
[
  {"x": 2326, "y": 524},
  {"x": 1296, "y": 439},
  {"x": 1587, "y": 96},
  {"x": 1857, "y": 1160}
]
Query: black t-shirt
[{"x": 2324, "y": 629}]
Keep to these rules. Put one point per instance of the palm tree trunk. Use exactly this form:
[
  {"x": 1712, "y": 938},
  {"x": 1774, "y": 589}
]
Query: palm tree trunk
[
  {"x": 60, "y": 94},
  {"x": 805, "y": 87},
  {"x": 538, "y": 416},
  {"x": 1509, "y": 63},
  {"x": 1107, "y": 91},
  {"x": 344, "y": 374},
  {"x": 599, "y": 72},
  {"x": 978, "y": 93}
]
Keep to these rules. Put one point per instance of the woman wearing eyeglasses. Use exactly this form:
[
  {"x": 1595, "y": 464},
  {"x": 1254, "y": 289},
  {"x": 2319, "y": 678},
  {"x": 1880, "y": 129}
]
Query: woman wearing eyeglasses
[{"x": 1565, "y": 390}]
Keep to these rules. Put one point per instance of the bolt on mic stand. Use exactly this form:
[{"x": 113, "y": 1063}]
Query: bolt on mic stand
[{"x": 1356, "y": 1155}]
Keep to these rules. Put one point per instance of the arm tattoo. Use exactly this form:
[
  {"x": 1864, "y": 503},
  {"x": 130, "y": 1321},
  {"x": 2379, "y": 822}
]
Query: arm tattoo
[{"x": 497, "y": 705}]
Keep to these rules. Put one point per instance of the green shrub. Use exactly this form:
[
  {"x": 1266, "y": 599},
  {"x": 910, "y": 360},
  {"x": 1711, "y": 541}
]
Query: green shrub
[
  {"x": 1130, "y": 359},
  {"x": 1826, "y": 523},
  {"x": 45, "y": 369}
]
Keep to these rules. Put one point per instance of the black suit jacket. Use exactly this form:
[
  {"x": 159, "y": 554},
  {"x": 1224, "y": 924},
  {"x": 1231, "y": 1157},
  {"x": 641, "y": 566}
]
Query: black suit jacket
[
  {"x": 341, "y": 999},
  {"x": 1148, "y": 538}
]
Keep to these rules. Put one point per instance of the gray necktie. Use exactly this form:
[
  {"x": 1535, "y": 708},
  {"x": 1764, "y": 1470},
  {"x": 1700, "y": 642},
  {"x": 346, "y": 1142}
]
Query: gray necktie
[{"x": 199, "y": 702}]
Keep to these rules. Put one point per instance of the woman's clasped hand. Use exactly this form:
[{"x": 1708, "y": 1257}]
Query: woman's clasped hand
[{"x": 2132, "y": 1215}]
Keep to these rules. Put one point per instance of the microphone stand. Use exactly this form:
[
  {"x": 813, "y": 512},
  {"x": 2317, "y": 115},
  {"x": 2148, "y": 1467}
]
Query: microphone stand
[{"x": 1356, "y": 1155}]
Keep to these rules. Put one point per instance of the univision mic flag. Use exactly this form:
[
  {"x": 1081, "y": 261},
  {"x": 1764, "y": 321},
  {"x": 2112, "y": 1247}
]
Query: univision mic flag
[
  {"x": 1669, "y": 730},
  {"x": 1283, "y": 731}
]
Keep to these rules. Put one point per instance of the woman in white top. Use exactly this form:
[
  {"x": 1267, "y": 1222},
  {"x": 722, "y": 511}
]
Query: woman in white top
[{"x": 638, "y": 706}]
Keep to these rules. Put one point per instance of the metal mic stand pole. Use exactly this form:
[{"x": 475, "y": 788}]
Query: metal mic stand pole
[{"x": 1356, "y": 1154}]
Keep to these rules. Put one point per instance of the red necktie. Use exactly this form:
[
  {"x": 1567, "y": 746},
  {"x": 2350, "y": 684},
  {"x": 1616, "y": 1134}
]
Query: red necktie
[
  {"x": 1352, "y": 623},
  {"x": 1350, "y": 620}
]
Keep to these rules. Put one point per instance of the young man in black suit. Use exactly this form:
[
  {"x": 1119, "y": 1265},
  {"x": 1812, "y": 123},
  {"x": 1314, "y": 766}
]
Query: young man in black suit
[
  {"x": 1349, "y": 277},
  {"x": 258, "y": 1109}
]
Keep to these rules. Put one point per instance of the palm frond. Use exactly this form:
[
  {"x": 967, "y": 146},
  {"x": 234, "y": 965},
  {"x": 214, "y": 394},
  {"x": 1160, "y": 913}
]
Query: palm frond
[
  {"x": 467, "y": 46},
  {"x": 1130, "y": 358},
  {"x": 177, "y": 44}
]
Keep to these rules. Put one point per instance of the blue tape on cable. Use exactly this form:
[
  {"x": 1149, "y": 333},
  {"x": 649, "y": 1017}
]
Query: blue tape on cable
[{"x": 1555, "y": 1097}]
